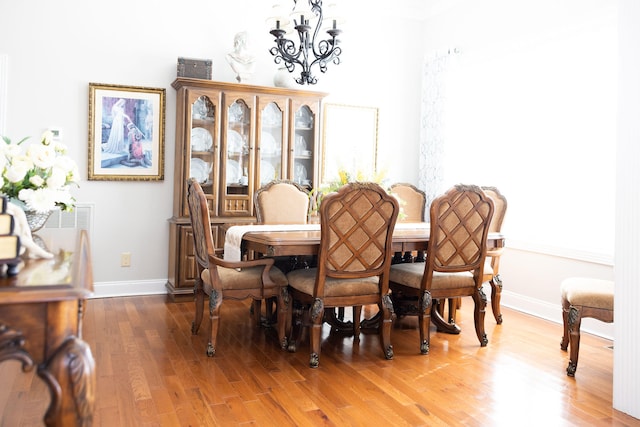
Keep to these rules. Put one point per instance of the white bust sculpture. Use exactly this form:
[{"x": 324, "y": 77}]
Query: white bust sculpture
[{"x": 241, "y": 60}]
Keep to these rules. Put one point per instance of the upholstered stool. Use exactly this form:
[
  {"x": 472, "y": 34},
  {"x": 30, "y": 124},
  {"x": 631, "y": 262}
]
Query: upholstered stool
[{"x": 583, "y": 297}]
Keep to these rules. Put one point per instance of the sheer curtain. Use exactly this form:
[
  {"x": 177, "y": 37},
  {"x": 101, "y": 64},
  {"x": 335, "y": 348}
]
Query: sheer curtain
[{"x": 432, "y": 122}]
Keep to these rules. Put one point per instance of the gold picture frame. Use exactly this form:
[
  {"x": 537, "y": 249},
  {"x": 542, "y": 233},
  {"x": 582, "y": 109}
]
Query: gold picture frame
[
  {"x": 350, "y": 141},
  {"x": 126, "y": 133}
]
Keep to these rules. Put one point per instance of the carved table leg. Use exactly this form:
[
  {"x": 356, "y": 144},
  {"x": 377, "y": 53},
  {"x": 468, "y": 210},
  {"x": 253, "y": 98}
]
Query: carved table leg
[{"x": 70, "y": 375}]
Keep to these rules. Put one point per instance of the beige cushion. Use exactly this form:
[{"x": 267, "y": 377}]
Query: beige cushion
[
  {"x": 304, "y": 280},
  {"x": 246, "y": 278},
  {"x": 588, "y": 292},
  {"x": 410, "y": 275}
]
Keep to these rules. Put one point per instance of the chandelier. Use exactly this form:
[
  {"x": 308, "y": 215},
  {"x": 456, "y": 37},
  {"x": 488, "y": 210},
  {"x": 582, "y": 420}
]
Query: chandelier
[{"x": 307, "y": 16}]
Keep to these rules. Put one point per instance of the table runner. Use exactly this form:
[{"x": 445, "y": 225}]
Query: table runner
[{"x": 233, "y": 238}]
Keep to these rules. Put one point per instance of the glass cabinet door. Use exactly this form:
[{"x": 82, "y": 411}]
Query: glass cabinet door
[
  {"x": 201, "y": 145},
  {"x": 237, "y": 158},
  {"x": 304, "y": 143},
  {"x": 270, "y": 142}
]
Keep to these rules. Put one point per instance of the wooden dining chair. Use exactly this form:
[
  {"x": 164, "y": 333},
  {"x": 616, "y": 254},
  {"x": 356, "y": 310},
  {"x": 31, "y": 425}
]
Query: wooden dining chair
[
  {"x": 412, "y": 207},
  {"x": 354, "y": 257},
  {"x": 282, "y": 202},
  {"x": 459, "y": 227},
  {"x": 220, "y": 279},
  {"x": 492, "y": 270},
  {"x": 492, "y": 262}
]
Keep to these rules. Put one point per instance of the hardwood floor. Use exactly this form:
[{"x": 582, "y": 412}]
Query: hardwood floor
[{"x": 152, "y": 372}]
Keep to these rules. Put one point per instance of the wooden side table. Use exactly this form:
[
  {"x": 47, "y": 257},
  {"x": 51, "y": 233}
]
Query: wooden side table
[{"x": 41, "y": 324}]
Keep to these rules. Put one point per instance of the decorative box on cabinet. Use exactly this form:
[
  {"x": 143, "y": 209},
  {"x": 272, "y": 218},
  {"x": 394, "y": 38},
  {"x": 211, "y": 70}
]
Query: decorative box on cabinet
[{"x": 234, "y": 138}]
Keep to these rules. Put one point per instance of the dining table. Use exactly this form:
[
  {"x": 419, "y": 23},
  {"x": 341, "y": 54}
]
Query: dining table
[
  {"x": 271, "y": 241},
  {"x": 289, "y": 240}
]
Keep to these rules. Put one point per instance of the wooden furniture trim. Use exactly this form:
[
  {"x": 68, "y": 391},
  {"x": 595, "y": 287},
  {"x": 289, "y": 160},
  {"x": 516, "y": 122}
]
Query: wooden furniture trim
[{"x": 41, "y": 311}]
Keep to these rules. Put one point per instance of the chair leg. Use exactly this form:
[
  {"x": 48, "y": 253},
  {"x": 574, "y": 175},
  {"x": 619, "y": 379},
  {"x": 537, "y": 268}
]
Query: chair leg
[
  {"x": 386, "y": 320},
  {"x": 215, "y": 301},
  {"x": 424, "y": 321},
  {"x": 452, "y": 306},
  {"x": 256, "y": 311},
  {"x": 297, "y": 320},
  {"x": 565, "y": 325},
  {"x": 199, "y": 302},
  {"x": 283, "y": 322},
  {"x": 575, "y": 319},
  {"x": 480, "y": 304},
  {"x": 316, "y": 315},
  {"x": 357, "y": 312},
  {"x": 496, "y": 294}
]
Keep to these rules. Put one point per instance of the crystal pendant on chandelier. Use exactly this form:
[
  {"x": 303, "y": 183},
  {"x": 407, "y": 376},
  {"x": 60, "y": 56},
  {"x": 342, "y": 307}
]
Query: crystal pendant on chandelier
[{"x": 308, "y": 18}]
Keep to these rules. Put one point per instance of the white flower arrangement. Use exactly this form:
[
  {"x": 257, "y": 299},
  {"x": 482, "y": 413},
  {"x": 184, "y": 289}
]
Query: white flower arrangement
[{"x": 41, "y": 176}]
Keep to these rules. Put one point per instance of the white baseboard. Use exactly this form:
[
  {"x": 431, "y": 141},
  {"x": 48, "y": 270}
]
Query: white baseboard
[
  {"x": 129, "y": 289},
  {"x": 532, "y": 306}
]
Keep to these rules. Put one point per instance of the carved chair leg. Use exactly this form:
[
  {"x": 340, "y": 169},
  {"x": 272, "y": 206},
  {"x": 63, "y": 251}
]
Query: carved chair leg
[
  {"x": 480, "y": 304},
  {"x": 316, "y": 316},
  {"x": 575, "y": 319},
  {"x": 386, "y": 321},
  {"x": 496, "y": 295},
  {"x": 424, "y": 321},
  {"x": 564, "y": 343}
]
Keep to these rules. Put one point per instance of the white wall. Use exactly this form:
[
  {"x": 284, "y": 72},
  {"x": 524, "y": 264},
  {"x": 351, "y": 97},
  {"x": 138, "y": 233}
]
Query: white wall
[
  {"x": 626, "y": 373},
  {"x": 53, "y": 54}
]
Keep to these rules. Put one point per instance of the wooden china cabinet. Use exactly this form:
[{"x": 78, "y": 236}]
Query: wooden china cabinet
[{"x": 234, "y": 138}]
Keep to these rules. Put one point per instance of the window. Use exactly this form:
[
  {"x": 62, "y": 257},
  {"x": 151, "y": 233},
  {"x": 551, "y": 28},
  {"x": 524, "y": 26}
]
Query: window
[{"x": 539, "y": 122}]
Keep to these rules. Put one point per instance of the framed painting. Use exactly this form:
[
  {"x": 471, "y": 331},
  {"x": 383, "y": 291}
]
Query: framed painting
[
  {"x": 350, "y": 141},
  {"x": 126, "y": 133}
]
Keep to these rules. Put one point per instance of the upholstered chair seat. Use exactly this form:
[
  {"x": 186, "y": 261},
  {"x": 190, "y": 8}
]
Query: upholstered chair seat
[
  {"x": 410, "y": 275},
  {"x": 244, "y": 278},
  {"x": 583, "y": 297},
  {"x": 304, "y": 281}
]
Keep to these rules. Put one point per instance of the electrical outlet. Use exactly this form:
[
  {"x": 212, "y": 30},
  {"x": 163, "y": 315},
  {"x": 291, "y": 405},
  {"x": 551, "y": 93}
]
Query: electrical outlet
[{"x": 125, "y": 259}]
